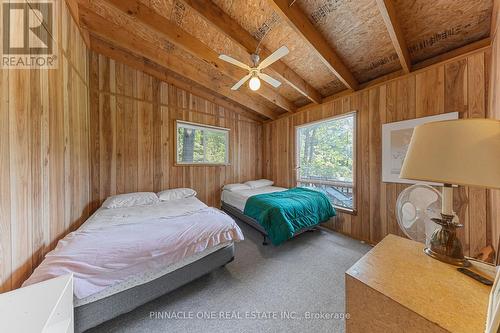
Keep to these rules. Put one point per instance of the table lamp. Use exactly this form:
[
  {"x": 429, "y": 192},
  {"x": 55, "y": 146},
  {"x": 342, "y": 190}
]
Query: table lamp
[{"x": 455, "y": 152}]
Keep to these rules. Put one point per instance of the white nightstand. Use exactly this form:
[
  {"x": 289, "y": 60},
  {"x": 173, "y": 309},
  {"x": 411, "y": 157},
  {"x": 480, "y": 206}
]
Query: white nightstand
[{"x": 45, "y": 307}]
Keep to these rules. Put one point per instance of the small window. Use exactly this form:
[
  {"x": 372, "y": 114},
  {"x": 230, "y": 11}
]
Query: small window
[
  {"x": 201, "y": 144},
  {"x": 325, "y": 159}
]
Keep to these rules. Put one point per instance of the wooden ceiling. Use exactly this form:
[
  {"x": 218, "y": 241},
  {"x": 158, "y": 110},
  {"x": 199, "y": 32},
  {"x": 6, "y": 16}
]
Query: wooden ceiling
[{"x": 335, "y": 45}]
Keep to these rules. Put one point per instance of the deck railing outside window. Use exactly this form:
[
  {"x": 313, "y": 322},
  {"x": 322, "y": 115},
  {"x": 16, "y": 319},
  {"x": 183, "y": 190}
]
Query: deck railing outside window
[{"x": 326, "y": 159}]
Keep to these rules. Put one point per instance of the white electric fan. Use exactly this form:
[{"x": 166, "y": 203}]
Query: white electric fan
[
  {"x": 254, "y": 72},
  {"x": 415, "y": 208}
]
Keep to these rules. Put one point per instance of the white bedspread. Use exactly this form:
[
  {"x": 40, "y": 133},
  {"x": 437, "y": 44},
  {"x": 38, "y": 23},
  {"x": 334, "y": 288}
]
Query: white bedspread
[
  {"x": 239, "y": 198},
  {"x": 103, "y": 254}
]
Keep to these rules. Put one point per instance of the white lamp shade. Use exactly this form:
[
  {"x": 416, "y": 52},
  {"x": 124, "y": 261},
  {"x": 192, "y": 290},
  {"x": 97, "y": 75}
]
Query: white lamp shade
[{"x": 458, "y": 152}]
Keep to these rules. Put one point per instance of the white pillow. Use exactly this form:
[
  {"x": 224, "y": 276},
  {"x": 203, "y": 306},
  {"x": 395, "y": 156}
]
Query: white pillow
[
  {"x": 130, "y": 200},
  {"x": 236, "y": 187},
  {"x": 176, "y": 193},
  {"x": 259, "y": 183}
]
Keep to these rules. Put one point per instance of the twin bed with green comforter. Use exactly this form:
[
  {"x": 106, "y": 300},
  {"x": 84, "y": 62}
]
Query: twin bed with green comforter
[{"x": 286, "y": 213}]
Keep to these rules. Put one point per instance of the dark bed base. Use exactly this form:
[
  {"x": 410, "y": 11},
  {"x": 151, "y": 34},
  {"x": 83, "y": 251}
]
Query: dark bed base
[
  {"x": 95, "y": 313},
  {"x": 237, "y": 214}
]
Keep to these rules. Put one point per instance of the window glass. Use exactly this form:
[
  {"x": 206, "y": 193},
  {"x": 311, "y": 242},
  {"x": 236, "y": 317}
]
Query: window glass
[
  {"x": 325, "y": 156},
  {"x": 200, "y": 144}
]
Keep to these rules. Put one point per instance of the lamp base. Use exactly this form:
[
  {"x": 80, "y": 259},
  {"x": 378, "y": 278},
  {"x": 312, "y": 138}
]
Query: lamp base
[
  {"x": 444, "y": 244},
  {"x": 462, "y": 262}
]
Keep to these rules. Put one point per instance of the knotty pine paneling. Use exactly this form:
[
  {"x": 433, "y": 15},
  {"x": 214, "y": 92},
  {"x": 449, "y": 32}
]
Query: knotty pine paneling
[
  {"x": 132, "y": 149},
  {"x": 457, "y": 85},
  {"x": 44, "y": 155}
]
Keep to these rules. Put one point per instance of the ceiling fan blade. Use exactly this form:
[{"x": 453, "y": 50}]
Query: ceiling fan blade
[
  {"x": 233, "y": 61},
  {"x": 275, "y": 83},
  {"x": 275, "y": 56},
  {"x": 240, "y": 82}
]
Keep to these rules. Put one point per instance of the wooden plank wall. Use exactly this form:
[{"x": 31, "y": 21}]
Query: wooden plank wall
[
  {"x": 494, "y": 113},
  {"x": 132, "y": 149},
  {"x": 44, "y": 155},
  {"x": 457, "y": 85}
]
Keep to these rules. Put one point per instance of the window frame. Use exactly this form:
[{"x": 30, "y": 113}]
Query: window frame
[
  {"x": 200, "y": 126},
  {"x": 353, "y": 114}
]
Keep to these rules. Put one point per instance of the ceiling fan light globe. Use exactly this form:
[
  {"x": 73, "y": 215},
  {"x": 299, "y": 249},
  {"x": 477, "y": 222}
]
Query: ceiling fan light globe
[{"x": 254, "y": 83}]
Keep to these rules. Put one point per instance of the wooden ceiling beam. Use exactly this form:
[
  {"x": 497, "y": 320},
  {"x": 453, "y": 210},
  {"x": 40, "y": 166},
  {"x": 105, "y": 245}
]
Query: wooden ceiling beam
[
  {"x": 494, "y": 19},
  {"x": 144, "y": 65},
  {"x": 453, "y": 55},
  {"x": 119, "y": 35},
  {"x": 232, "y": 29},
  {"x": 388, "y": 13},
  {"x": 301, "y": 24},
  {"x": 179, "y": 37}
]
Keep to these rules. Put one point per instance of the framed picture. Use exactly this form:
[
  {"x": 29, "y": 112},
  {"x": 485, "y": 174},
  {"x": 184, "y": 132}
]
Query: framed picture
[{"x": 395, "y": 141}]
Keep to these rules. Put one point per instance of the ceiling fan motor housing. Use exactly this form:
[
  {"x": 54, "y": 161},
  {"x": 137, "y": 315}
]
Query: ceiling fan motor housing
[{"x": 255, "y": 59}]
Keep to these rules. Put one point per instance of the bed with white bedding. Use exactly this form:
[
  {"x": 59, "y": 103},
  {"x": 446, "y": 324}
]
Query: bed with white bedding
[
  {"x": 124, "y": 257},
  {"x": 277, "y": 213},
  {"x": 234, "y": 198},
  {"x": 238, "y": 198}
]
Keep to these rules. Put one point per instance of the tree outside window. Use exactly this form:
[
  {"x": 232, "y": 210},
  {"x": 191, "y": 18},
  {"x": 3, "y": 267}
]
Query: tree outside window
[
  {"x": 201, "y": 144},
  {"x": 325, "y": 158}
]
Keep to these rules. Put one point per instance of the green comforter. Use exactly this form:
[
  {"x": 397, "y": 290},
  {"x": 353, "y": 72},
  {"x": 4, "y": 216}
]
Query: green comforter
[{"x": 282, "y": 214}]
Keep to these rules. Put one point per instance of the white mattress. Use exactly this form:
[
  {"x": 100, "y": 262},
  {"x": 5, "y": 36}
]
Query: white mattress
[
  {"x": 145, "y": 277},
  {"x": 130, "y": 215},
  {"x": 239, "y": 198}
]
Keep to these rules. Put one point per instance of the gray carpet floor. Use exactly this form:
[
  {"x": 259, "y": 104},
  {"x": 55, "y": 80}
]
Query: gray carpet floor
[{"x": 295, "y": 287}]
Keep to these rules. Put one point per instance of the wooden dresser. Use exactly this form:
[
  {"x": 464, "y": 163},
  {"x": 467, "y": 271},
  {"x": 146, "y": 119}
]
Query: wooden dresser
[{"x": 397, "y": 288}]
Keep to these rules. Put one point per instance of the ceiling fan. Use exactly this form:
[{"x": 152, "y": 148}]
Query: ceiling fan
[{"x": 254, "y": 72}]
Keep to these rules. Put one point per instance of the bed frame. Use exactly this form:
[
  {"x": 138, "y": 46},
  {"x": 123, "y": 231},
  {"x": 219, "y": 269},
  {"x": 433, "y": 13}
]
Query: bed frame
[
  {"x": 238, "y": 214},
  {"x": 92, "y": 314}
]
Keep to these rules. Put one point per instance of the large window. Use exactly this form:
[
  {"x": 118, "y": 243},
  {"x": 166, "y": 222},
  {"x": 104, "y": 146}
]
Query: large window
[
  {"x": 201, "y": 144},
  {"x": 326, "y": 158}
]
